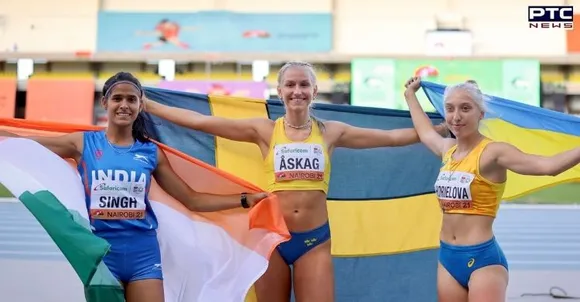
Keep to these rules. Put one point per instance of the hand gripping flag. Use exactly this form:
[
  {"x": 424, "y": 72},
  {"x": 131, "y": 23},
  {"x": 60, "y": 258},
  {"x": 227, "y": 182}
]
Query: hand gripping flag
[
  {"x": 531, "y": 129},
  {"x": 205, "y": 256}
]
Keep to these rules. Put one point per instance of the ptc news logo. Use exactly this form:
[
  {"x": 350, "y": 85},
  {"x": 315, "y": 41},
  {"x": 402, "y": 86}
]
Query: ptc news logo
[{"x": 551, "y": 17}]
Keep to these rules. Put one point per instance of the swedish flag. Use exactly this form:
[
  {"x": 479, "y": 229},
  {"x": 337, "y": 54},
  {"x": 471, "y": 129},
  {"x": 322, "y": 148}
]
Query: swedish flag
[{"x": 384, "y": 216}]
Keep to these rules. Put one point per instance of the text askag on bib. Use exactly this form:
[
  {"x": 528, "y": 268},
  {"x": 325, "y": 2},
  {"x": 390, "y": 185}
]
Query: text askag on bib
[{"x": 299, "y": 161}]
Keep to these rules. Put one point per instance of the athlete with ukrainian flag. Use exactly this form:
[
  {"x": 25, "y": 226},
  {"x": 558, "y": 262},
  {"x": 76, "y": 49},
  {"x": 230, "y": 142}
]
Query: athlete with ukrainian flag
[{"x": 469, "y": 187}]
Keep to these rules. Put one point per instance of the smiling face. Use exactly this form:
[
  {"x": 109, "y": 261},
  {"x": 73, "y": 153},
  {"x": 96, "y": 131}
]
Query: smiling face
[
  {"x": 123, "y": 104},
  {"x": 297, "y": 86},
  {"x": 464, "y": 110}
]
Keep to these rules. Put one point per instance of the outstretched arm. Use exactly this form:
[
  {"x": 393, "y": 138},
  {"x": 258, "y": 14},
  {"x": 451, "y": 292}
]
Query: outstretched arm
[
  {"x": 65, "y": 146},
  {"x": 513, "y": 159},
  {"x": 427, "y": 133},
  {"x": 362, "y": 138},
  {"x": 245, "y": 130},
  {"x": 169, "y": 181}
]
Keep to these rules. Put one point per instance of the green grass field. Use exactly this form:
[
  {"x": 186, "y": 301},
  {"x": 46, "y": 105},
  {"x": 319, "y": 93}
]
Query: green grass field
[
  {"x": 3, "y": 192},
  {"x": 560, "y": 194}
]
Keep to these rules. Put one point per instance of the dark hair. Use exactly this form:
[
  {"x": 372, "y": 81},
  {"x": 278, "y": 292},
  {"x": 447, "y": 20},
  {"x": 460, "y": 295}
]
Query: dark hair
[{"x": 139, "y": 129}]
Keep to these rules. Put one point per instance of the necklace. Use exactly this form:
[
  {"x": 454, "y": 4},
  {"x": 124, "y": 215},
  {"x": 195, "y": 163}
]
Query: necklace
[
  {"x": 456, "y": 163},
  {"x": 305, "y": 125},
  {"x": 116, "y": 149}
]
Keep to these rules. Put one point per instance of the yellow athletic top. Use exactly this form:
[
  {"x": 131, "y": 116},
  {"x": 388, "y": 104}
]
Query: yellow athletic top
[
  {"x": 461, "y": 189},
  {"x": 303, "y": 165}
]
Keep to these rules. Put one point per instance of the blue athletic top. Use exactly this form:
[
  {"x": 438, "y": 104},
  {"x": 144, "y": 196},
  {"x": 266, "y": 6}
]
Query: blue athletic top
[{"x": 117, "y": 181}]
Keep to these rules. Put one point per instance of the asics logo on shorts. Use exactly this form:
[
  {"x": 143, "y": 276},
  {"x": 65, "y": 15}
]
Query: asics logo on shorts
[{"x": 471, "y": 262}]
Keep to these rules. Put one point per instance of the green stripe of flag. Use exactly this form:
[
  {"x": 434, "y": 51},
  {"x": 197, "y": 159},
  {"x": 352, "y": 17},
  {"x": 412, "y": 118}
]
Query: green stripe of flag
[{"x": 83, "y": 249}]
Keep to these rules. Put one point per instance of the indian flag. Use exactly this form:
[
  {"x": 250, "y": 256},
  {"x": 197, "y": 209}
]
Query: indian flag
[{"x": 205, "y": 256}]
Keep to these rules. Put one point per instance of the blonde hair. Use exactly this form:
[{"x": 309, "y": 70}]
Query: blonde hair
[
  {"x": 311, "y": 75},
  {"x": 307, "y": 66},
  {"x": 480, "y": 100},
  {"x": 471, "y": 87}
]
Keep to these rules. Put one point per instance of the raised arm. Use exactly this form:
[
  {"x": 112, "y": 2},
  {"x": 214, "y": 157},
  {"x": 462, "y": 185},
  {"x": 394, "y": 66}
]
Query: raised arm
[
  {"x": 171, "y": 183},
  {"x": 511, "y": 158},
  {"x": 65, "y": 146},
  {"x": 362, "y": 138},
  {"x": 244, "y": 130},
  {"x": 427, "y": 133}
]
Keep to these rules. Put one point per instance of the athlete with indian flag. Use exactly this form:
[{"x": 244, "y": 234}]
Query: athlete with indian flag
[{"x": 116, "y": 166}]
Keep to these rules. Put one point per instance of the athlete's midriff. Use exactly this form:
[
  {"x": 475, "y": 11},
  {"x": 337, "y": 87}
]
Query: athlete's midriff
[
  {"x": 303, "y": 210},
  {"x": 466, "y": 229}
]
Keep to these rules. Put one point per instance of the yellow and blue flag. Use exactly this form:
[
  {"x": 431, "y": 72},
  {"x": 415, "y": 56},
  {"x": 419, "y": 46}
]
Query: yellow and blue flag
[
  {"x": 531, "y": 129},
  {"x": 384, "y": 217}
]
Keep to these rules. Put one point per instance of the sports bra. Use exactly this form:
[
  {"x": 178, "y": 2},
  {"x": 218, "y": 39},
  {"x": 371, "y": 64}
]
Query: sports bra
[
  {"x": 301, "y": 165},
  {"x": 461, "y": 189}
]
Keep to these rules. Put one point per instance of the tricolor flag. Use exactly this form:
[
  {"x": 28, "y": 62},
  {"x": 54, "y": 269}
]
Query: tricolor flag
[
  {"x": 384, "y": 217},
  {"x": 205, "y": 256}
]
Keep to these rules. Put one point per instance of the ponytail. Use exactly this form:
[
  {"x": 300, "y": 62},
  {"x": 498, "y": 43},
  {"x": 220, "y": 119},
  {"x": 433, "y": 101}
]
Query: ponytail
[
  {"x": 318, "y": 122},
  {"x": 139, "y": 129}
]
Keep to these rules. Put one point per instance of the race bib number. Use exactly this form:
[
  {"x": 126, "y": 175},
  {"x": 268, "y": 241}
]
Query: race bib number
[
  {"x": 453, "y": 190},
  {"x": 299, "y": 161},
  {"x": 117, "y": 200}
]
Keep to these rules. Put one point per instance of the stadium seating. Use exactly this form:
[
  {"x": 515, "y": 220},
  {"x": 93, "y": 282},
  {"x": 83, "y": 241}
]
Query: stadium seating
[{"x": 67, "y": 42}]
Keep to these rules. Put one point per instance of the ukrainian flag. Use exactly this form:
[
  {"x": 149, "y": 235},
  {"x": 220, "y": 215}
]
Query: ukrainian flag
[
  {"x": 384, "y": 217},
  {"x": 531, "y": 129}
]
